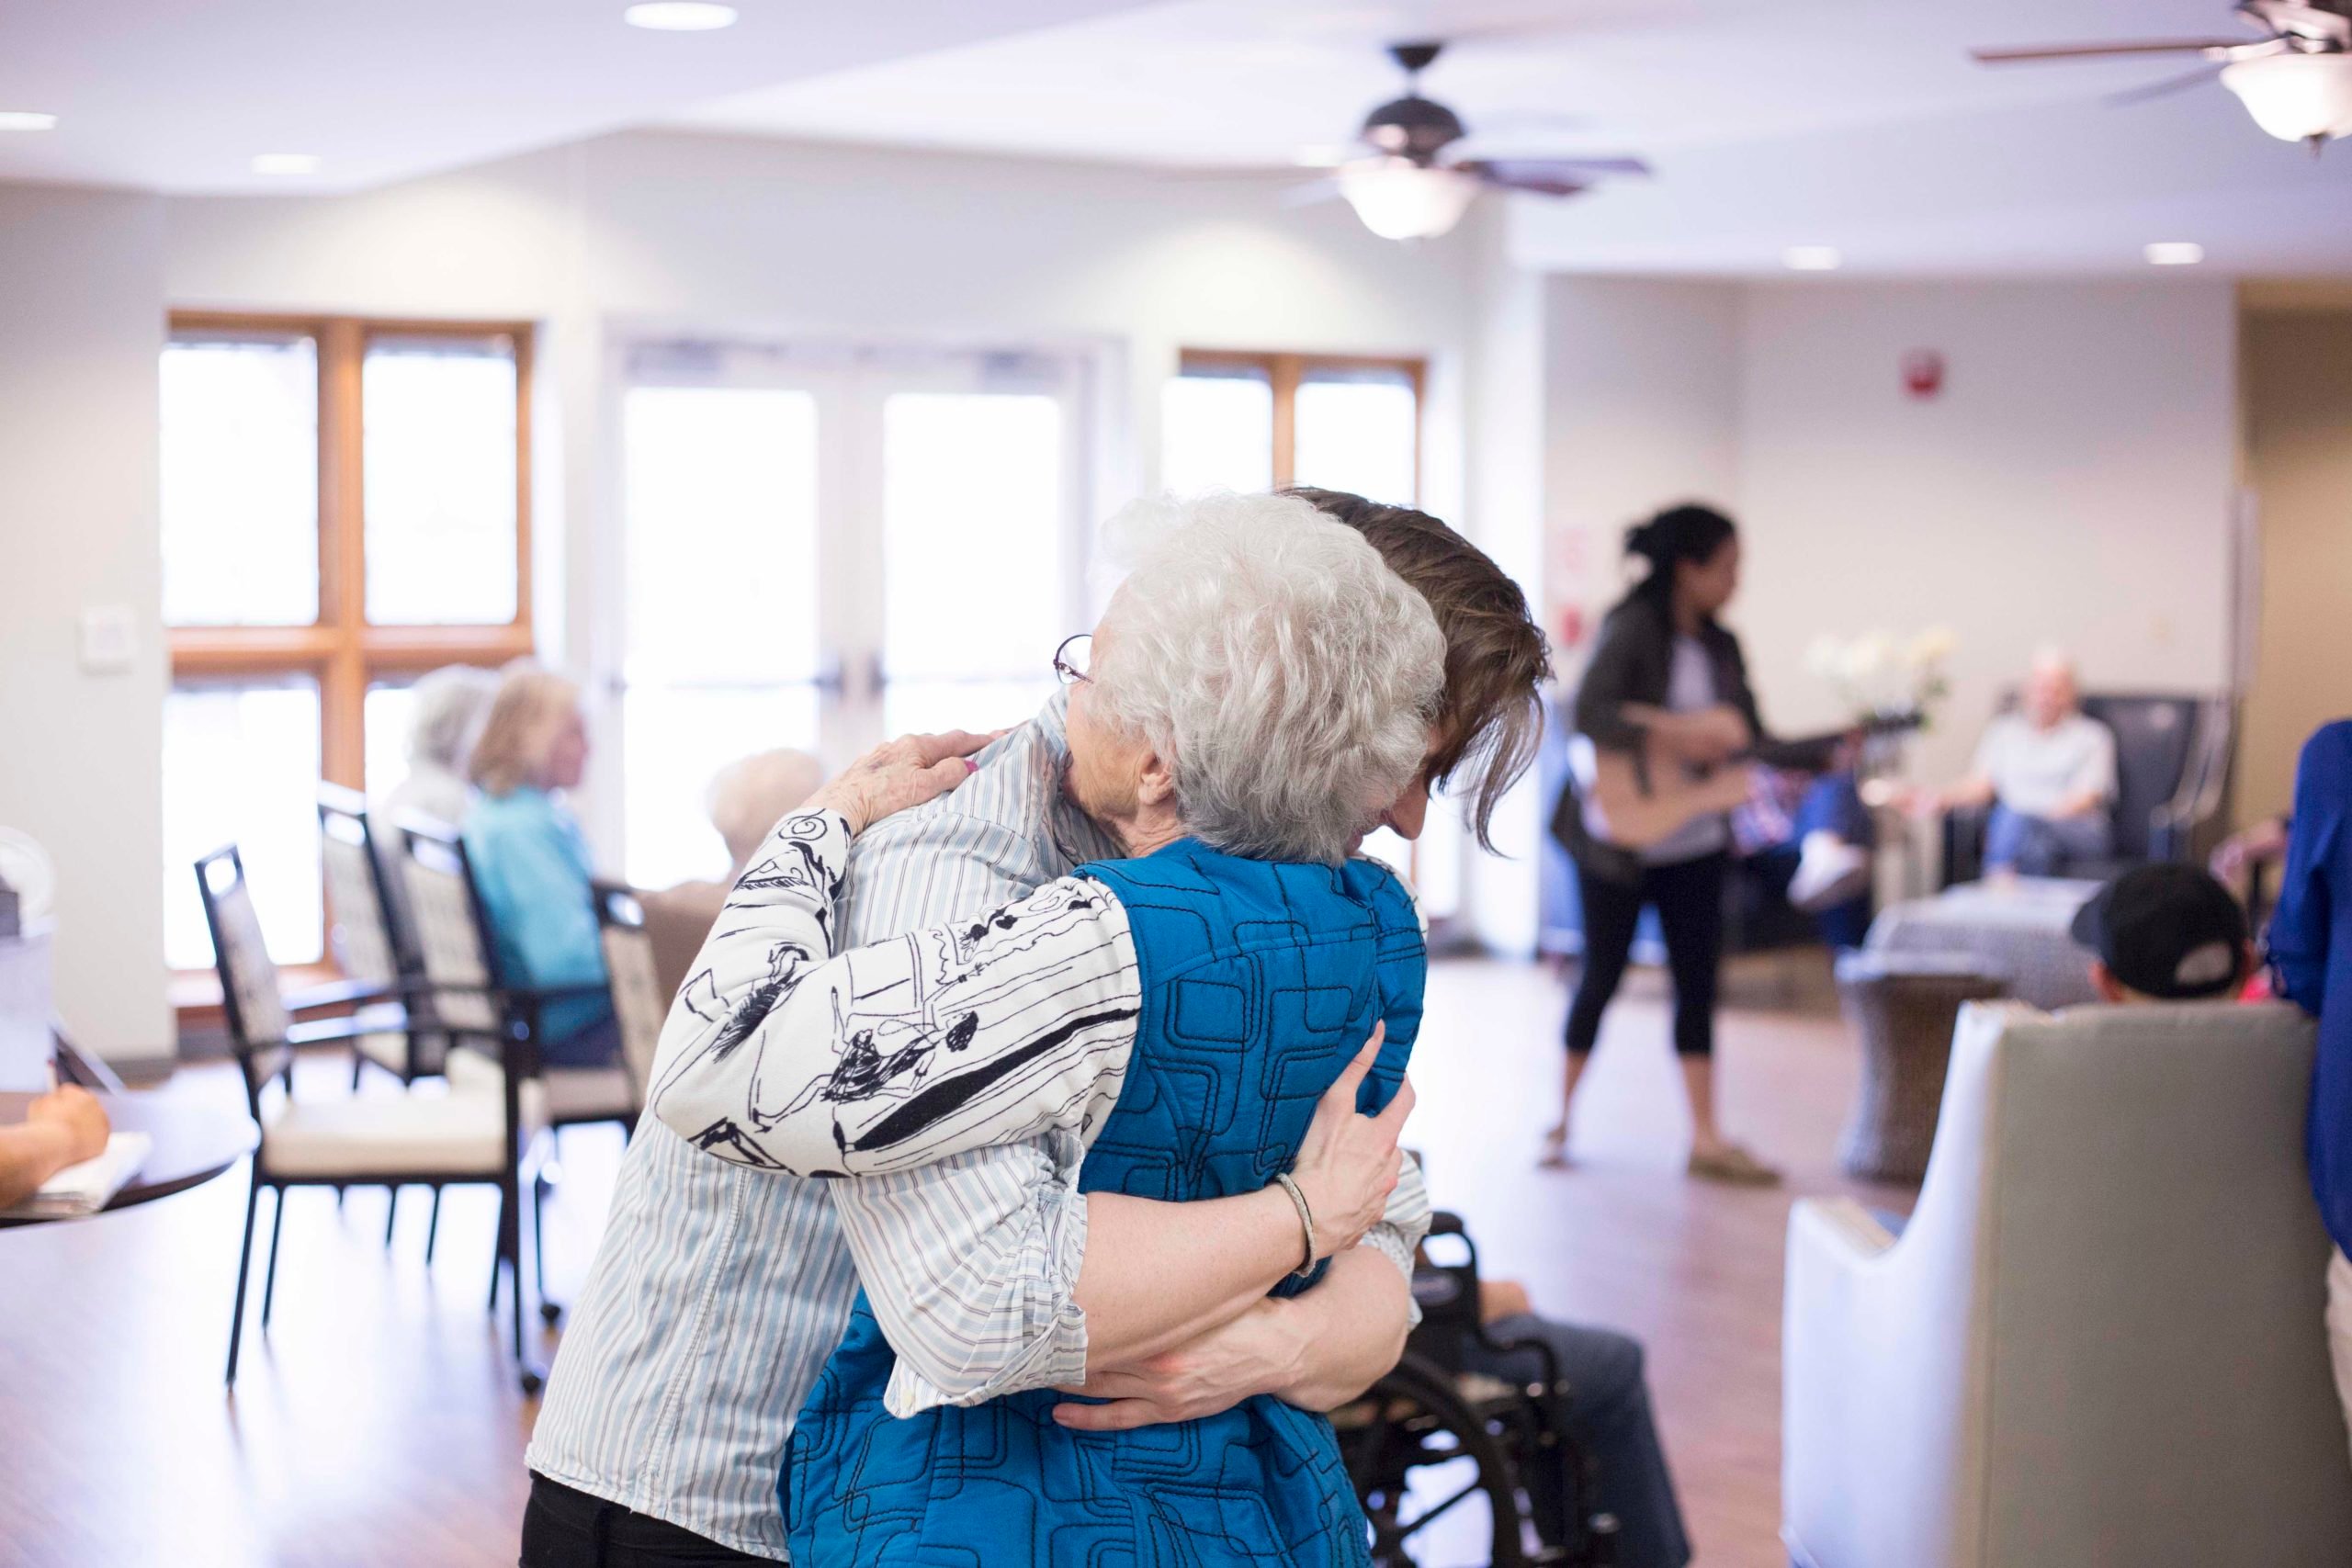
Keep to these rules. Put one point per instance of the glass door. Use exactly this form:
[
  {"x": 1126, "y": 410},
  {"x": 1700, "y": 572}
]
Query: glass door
[
  {"x": 980, "y": 538},
  {"x": 826, "y": 548}
]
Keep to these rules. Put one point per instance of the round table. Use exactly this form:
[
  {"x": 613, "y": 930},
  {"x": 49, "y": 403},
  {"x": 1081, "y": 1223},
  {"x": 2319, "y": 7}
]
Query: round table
[{"x": 193, "y": 1143}]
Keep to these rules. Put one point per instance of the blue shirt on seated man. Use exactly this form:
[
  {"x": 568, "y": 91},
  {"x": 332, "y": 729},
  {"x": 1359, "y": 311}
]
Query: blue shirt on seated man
[{"x": 531, "y": 862}]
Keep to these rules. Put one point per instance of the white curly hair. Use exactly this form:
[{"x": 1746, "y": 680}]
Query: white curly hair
[{"x": 1269, "y": 653}]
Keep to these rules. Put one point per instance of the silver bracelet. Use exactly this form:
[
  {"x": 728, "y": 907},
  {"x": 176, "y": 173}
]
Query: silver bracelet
[{"x": 1306, "y": 1221}]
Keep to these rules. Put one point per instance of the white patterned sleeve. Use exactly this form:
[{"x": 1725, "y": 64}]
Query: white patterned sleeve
[{"x": 995, "y": 1028}]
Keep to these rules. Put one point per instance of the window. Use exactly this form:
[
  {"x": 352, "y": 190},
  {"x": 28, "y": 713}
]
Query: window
[
  {"x": 345, "y": 504},
  {"x": 828, "y": 546},
  {"x": 1245, "y": 420},
  {"x": 1240, "y": 421}
]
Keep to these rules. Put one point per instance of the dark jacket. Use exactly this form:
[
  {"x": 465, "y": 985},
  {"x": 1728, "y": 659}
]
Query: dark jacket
[{"x": 1633, "y": 661}]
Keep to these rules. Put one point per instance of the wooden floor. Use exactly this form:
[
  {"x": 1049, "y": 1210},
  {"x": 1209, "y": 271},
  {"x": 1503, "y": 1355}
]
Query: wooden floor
[{"x": 379, "y": 1422}]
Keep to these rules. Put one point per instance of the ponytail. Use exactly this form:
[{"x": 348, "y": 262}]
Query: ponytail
[{"x": 1688, "y": 532}]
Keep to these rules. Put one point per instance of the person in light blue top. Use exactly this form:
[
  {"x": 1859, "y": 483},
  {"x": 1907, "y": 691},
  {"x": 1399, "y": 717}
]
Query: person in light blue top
[{"x": 531, "y": 860}]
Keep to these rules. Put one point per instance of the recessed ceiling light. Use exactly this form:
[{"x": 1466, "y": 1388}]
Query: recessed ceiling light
[
  {"x": 26, "y": 120},
  {"x": 1811, "y": 258},
  {"x": 285, "y": 164},
  {"x": 680, "y": 15},
  {"x": 2175, "y": 253}
]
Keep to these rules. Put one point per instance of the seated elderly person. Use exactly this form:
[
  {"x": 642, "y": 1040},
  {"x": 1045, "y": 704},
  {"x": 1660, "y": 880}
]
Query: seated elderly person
[
  {"x": 2048, "y": 771},
  {"x": 1257, "y": 694},
  {"x": 745, "y": 799},
  {"x": 530, "y": 860}
]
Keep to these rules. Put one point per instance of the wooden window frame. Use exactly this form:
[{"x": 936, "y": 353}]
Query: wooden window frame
[
  {"x": 1285, "y": 371},
  {"x": 341, "y": 650}
]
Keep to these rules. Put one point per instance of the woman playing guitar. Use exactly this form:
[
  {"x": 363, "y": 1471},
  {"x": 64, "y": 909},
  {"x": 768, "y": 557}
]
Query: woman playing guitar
[{"x": 1665, "y": 733}]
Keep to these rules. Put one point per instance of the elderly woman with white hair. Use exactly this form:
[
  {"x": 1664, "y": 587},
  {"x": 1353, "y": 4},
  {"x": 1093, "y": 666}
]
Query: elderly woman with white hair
[{"x": 1258, "y": 691}]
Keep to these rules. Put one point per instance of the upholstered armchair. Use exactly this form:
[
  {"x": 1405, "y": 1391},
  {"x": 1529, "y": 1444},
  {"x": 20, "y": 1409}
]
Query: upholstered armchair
[{"x": 2099, "y": 1338}]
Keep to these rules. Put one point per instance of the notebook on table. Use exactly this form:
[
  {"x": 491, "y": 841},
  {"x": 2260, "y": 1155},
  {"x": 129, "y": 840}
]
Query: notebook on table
[{"x": 86, "y": 1188}]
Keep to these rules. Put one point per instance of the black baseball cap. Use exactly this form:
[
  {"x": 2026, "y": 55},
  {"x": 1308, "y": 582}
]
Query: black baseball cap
[{"x": 2167, "y": 930}]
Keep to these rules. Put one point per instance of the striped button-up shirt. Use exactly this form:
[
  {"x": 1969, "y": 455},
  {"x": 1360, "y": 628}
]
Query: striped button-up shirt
[{"x": 719, "y": 1292}]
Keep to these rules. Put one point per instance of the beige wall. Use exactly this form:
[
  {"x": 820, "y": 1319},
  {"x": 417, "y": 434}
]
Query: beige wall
[
  {"x": 81, "y": 754},
  {"x": 2073, "y": 483},
  {"x": 2297, "y": 370}
]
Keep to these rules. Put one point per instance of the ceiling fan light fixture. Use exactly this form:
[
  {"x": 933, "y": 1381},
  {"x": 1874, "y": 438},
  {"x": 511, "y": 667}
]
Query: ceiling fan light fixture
[
  {"x": 2295, "y": 97},
  {"x": 1399, "y": 199},
  {"x": 680, "y": 15}
]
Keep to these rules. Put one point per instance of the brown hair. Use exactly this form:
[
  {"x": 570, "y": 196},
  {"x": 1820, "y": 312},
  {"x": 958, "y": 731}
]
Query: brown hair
[
  {"x": 531, "y": 704},
  {"x": 1491, "y": 716}
]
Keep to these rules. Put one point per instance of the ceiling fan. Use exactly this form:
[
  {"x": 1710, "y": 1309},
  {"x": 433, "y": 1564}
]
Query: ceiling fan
[
  {"x": 2295, "y": 80},
  {"x": 1406, "y": 187}
]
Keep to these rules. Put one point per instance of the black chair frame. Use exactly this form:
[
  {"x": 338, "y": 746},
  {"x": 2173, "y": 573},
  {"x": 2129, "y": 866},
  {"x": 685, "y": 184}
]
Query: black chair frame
[
  {"x": 521, "y": 1009},
  {"x": 343, "y": 813},
  {"x": 250, "y": 1054},
  {"x": 1428, "y": 1411}
]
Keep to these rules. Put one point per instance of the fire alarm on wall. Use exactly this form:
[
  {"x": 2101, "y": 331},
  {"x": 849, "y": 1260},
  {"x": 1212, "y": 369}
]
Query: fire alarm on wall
[{"x": 1923, "y": 372}]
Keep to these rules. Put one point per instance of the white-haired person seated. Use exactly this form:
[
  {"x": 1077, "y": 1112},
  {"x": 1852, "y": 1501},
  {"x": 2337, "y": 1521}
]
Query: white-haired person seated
[
  {"x": 1258, "y": 693},
  {"x": 744, "y": 800},
  {"x": 447, "y": 709},
  {"x": 2048, "y": 771},
  {"x": 531, "y": 860}
]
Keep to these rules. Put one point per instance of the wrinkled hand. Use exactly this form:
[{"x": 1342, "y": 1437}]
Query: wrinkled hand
[
  {"x": 898, "y": 774},
  {"x": 1258, "y": 1352},
  {"x": 75, "y": 1114},
  {"x": 1347, "y": 1163}
]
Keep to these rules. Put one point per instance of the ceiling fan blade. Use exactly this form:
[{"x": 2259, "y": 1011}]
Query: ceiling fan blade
[
  {"x": 2165, "y": 89},
  {"x": 1538, "y": 177},
  {"x": 1551, "y": 176},
  {"x": 1308, "y": 193},
  {"x": 2100, "y": 50}
]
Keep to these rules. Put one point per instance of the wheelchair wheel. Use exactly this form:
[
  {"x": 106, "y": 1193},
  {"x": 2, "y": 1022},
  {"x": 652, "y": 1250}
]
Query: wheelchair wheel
[{"x": 1413, "y": 1419}]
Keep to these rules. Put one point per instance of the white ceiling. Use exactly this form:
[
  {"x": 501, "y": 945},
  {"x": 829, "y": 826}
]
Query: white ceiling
[
  {"x": 180, "y": 94},
  {"x": 1856, "y": 123}
]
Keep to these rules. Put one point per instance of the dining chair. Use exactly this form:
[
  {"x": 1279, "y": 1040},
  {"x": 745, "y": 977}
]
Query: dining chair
[
  {"x": 471, "y": 1135},
  {"x": 639, "y": 1004},
  {"x": 366, "y": 934},
  {"x": 473, "y": 994}
]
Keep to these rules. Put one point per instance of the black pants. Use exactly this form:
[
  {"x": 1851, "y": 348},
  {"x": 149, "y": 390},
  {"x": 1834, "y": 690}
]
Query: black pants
[
  {"x": 564, "y": 1528},
  {"x": 1690, "y": 901}
]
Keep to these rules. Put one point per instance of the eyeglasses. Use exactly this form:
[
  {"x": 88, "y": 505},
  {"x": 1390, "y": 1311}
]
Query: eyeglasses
[{"x": 1070, "y": 659}]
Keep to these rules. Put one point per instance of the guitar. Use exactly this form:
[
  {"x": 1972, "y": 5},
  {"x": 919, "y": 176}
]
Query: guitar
[{"x": 1635, "y": 800}]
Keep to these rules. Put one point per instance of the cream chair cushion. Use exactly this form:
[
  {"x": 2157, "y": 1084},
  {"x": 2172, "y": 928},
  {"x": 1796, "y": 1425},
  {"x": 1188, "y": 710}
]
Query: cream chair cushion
[
  {"x": 423, "y": 1133},
  {"x": 559, "y": 1094}
]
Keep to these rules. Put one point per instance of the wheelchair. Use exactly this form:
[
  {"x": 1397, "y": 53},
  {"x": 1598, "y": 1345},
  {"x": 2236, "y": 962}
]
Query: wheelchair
[{"x": 1431, "y": 1413}]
